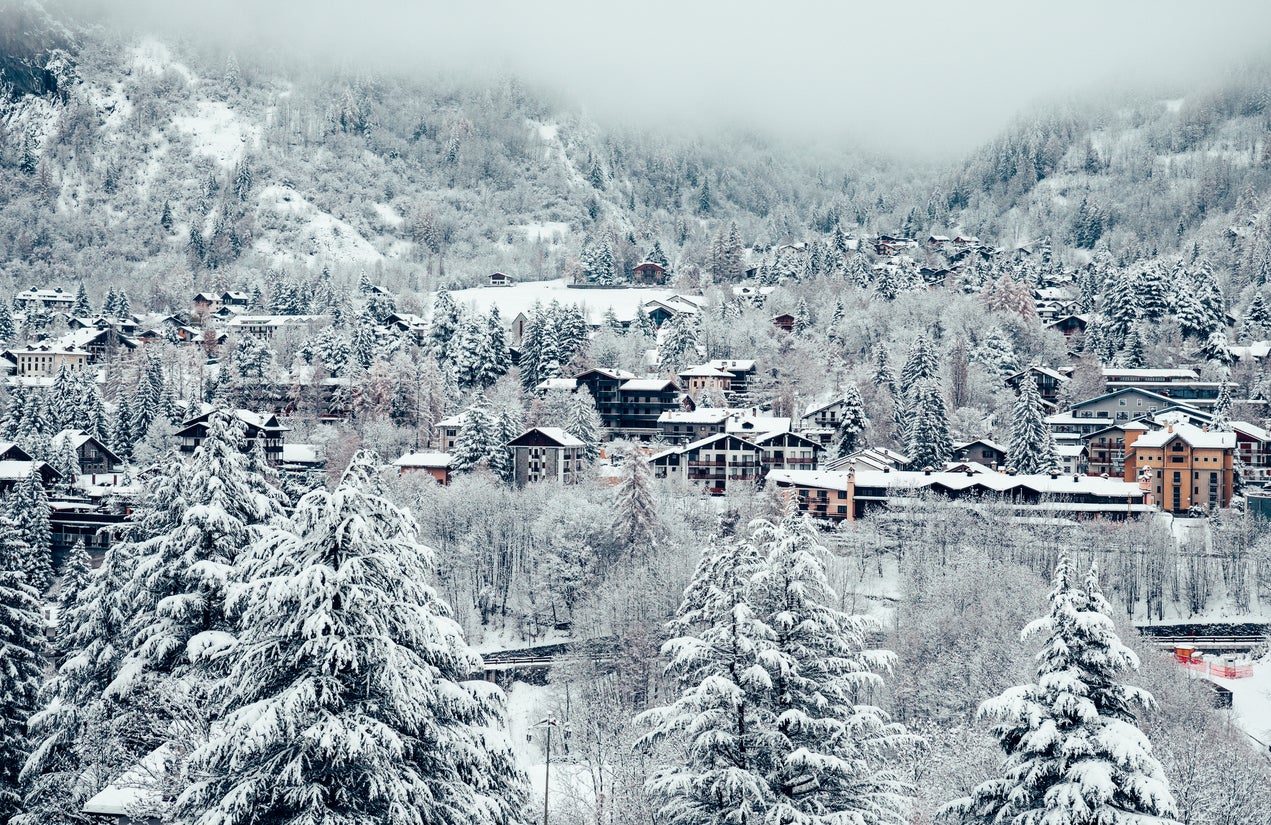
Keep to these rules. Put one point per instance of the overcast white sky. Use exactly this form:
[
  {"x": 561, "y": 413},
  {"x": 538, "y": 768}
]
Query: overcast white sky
[{"x": 934, "y": 77}]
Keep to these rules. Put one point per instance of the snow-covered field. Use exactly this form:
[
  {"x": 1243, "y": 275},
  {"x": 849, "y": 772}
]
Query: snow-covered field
[
  {"x": 521, "y": 297},
  {"x": 319, "y": 235},
  {"x": 1251, "y": 701},
  {"x": 216, "y": 131}
]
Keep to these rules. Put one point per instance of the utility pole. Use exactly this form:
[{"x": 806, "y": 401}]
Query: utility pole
[{"x": 549, "y": 723}]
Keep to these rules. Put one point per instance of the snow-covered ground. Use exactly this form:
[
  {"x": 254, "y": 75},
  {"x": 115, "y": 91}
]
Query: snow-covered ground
[
  {"x": 520, "y": 297},
  {"x": 217, "y": 131},
  {"x": 319, "y": 235},
  {"x": 550, "y": 231},
  {"x": 1251, "y": 701}
]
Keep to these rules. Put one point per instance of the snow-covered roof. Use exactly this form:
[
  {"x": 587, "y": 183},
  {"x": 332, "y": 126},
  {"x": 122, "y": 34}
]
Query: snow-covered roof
[
  {"x": 425, "y": 460},
  {"x": 1114, "y": 373},
  {"x": 1194, "y": 436},
  {"x": 824, "y": 405},
  {"x": 136, "y": 789},
  {"x": 993, "y": 445},
  {"x": 1069, "y": 450},
  {"x": 701, "y": 415},
  {"x": 567, "y": 384},
  {"x": 902, "y": 480},
  {"x": 1251, "y": 430},
  {"x": 451, "y": 421},
  {"x": 739, "y": 424},
  {"x": 556, "y": 434},
  {"x": 705, "y": 371},
  {"x": 645, "y": 385},
  {"x": 17, "y": 470},
  {"x": 732, "y": 364}
]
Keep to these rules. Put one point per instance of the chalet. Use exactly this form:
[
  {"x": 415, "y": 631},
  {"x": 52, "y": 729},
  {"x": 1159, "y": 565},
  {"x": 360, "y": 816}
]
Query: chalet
[
  {"x": 205, "y": 303},
  {"x": 100, "y": 344},
  {"x": 127, "y": 326},
  {"x": 705, "y": 378},
  {"x": 406, "y": 323},
  {"x": 35, "y": 298},
  {"x": 1253, "y": 448},
  {"x": 824, "y": 416},
  {"x": 716, "y": 463},
  {"x": 937, "y": 242},
  {"x": 852, "y": 494},
  {"x": 236, "y": 299},
  {"x": 1069, "y": 325},
  {"x": 648, "y": 273},
  {"x": 1073, "y": 458},
  {"x": 1105, "y": 447},
  {"x": 265, "y": 429},
  {"x": 10, "y": 451},
  {"x": 301, "y": 458},
  {"x": 1181, "y": 385},
  {"x": 870, "y": 458},
  {"x": 434, "y": 464},
  {"x": 556, "y": 385},
  {"x": 891, "y": 245},
  {"x": 1094, "y": 414},
  {"x": 683, "y": 426},
  {"x": 784, "y": 322},
  {"x": 981, "y": 451},
  {"x": 750, "y": 424},
  {"x": 44, "y": 360},
  {"x": 547, "y": 453},
  {"x": 448, "y": 432},
  {"x": 266, "y": 326},
  {"x": 641, "y": 402},
  {"x": 499, "y": 279},
  {"x": 662, "y": 311},
  {"x": 1048, "y": 382},
  {"x": 1183, "y": 466},
  {"x": 94, "y": 457},
  {"x": 13, "y": 471},
  {"x": 743, "y": 371},
  {"x": 603, "y": 385},
  {"x": 788, "y": 451}
]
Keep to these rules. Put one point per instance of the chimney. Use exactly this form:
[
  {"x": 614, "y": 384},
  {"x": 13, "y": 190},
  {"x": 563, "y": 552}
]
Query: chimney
[
  {"x": 993, "y": 466},
  {"x": 970, "y": 473},
  {"x": 1054, "y": 474},
  {"x": 1169, "y": 428},
  {"x": 1076, "y": 478},
  {"x": 926, "y": 470}
]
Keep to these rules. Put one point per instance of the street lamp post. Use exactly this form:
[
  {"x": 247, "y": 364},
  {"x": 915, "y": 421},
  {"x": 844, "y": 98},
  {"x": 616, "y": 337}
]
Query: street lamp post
[{"x": 549, "y": 723}]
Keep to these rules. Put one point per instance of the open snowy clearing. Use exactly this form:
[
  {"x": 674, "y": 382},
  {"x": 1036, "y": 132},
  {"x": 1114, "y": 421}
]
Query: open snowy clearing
[
  {"x": 521, "y": 297},
  {"x": 319, "y": 236},
  {"x": 1251, "y": 702},
  {"x": 216, "y": 131}
]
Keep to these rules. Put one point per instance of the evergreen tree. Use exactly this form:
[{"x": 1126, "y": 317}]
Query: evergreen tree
[
  {"x": 1074, "y": 753},
  {"x": 8, "y": 330},
  {"x": 1132, "y": 354},
  {"x": 81, "y": 308},
  {"x": 657, "y": 256},
  {"x": 921, "y": 365},
  {"x": 883, "y": 375},
  {"x": 352, "y": 696},
  {"x": 478, "y": 434},
  {"x": 1257, "y": 320},
  {"x": 21, "y": 672},
  {"x": 77, "y": 576},
  {"x": 469, "y": 352},
  {"x": 773, "y": 713},
  {"x": 802, "y": 317},
  {"x": 719, "y": 716},
  {"x": 1222, "y": 410},
  {"x": 584, "y": 422},
  {"x": 849, "y": 437},
  {"x": 927, "y": 441},
  {"x": 531, "y": 350},
  {"x": 1032, "y": 447},
  {"x": 443, "y": 326},
  {"x": 636, "y": 525},
  {"x": 495, "y": 361},
  {"x": 678, "y": 346},
  {"x": 182, "y": 575},
  {"x": 28, "y": 506}
]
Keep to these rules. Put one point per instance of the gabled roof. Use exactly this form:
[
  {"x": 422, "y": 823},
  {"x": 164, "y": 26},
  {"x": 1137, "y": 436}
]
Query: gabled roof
[
  {"x": 824, "y": 405},
  {"x": 787, "y": 435},
  {"x": 705, "y": 371},
  {"x": 617, "y": 374},
  {"x": 1191, "y": 435},
  {"x": 732, "y": 365},
  {"x": 1047, "y": 371},
  {"x": 649, "y": 265},
  {"x": 79, "y": 438},
  {"x": 425, "y": 460},
  {"x": 555, "y": 434},
  {"x": 992, "y": 445},
  {"x": 701, "y": 415},
  {"x": 1165, "y": 402},
  {"x": 647, "y": 385}
]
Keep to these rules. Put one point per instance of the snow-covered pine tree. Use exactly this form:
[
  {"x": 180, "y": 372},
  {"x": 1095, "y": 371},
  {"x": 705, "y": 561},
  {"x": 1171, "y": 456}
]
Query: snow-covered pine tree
[
  {"x": 636, "y": 524},
  {"x": 443, "y": 327},
  {"x": 21, "y": 673},
  {"x": 469, "y": 351},
  {"x": 508, "y": 424},
  {"x": 28, "y": 506},
  {"x": 1074, "y": 753},
  {"x": 1133, "y": 355},
  {"x": 920, "y": 365},
  {"x": 8, "y": 330},
  {"x": 678, "y": 347},
  {"x": 1257, "y": 320},
  {"x": 883, "y": 375},
  {"x": 928, "y": 442},
  {"x": 1222, "y": 410},
  {"x": 849, "y": 436},
  {"x": 719, "y": 717},
  {"x": 77, "y": 575},
  {"x": 826, "y": 744},
  {"x": 181, "y": 578},
  {"x": 584, "y": 422},
  {"x": 1032, "y": 446},
  {"x": 531, "y": 349},
  {"x": 477, "y": 433},
  {"x": 495, "y": 361},
  {"x": 353, "y": 696}
]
